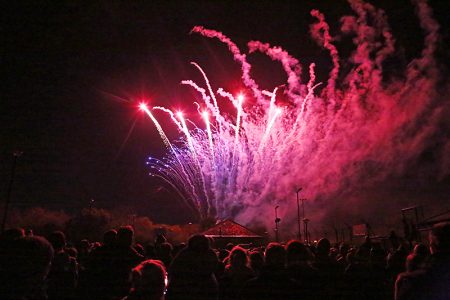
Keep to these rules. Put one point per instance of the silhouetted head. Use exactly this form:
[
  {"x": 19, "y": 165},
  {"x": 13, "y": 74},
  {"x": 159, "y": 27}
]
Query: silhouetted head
[
  {"x": 238, "y": 257},
  {"x": 139, "y": 249},
  {"x": 256, "y": 261},
  {"x": 110, "y": 237},
  {"x": 414, "y": 262},
  {"x": 25, "y": 265},
  {"x": 58, "y": 240},
  {"x": 296, "y": 252},
  {"x": 12, "y": 234},
  {"x": 149, "y": 280},
  {"x": 223, "y": 255},
  {"x": 362, "y": 255},
  {"x": 199, "y": 243},
  {"x": 377, "y": 254},
  {"x": 343, "y": 249},
  {"x": 165, "y": 249},
  {"x": 440, "y": 238},
  {"x": 275, "y": 255},
  {"x": 125, "y": 236},
  {"x": 84, "y": 246},
  {"x": 229, "y": 246},
  {"x": 72, "y": 251},
  {"x": 421, "y": 250},
  {"x": 323, "y": 247}
]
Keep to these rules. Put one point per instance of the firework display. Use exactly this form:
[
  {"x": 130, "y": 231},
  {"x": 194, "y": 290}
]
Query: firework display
[{"x": 350, "y": 130}]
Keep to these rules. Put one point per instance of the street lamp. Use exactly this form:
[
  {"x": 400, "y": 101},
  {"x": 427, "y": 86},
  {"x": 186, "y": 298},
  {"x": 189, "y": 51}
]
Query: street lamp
[
  {"x": 91, "y": 204},
  {"x": 298, "y": 215},
  {"x": 16, "y": 155},
  {"x": 305, "y": 222}
]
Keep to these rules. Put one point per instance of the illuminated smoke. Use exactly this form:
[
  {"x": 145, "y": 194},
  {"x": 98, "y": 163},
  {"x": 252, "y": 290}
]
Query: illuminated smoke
[{"x": 358, "y": 129}]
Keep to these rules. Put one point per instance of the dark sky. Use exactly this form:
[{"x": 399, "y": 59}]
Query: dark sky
[{"x": 74, "y": 71}]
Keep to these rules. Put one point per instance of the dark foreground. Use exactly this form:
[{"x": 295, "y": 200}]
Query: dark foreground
[{"x": 33, "y": 267}]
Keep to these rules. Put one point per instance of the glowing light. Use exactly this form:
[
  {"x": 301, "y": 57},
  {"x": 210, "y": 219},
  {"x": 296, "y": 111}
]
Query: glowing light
[
  {"x": 143, "y": 106},
  {"x": 240, "y": 98}
]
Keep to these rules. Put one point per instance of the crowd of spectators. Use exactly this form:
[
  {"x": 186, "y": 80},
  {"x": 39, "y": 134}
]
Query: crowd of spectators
[{"x": 34, "y": 267}]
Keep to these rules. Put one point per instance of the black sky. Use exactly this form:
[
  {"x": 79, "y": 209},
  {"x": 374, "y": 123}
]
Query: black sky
[{"x": 73, "y": 72}]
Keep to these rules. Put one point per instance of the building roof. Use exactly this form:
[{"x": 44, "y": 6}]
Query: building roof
[{"x": 229, "y": 228}]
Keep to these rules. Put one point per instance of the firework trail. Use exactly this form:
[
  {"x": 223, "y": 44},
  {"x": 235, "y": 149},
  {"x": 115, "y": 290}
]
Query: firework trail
[{"x": 357, "y": 129}]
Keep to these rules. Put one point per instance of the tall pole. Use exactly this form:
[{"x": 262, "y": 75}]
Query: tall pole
[
  {"x": 277, "y": 220},
  {"x": 306, "y": 230},
  {"x": 305, "y": 223},
  {"x": 16, "y": 154},
  {"x": 298, "y": 215},
  {"x": 303, "y": 207}
]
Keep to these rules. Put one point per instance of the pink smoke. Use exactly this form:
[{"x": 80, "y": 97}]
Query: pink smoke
[{"x": 360, "y": 131}]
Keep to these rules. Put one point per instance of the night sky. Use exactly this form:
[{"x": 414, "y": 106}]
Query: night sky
[{"x": 74, "y": 72}]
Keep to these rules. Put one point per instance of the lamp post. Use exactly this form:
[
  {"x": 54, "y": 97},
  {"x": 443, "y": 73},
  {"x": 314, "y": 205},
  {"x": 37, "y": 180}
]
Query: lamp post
[
  {"x": 91, "y": 204},
  {"x": 16, "y": 155},
  {"x": 277, "y": 220},
  {"x": 305, "y": 221},
  {"x": 298, "y": 215}
]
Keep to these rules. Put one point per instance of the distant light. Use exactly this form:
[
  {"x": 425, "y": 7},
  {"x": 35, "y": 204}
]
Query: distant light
[
  {"x": 143, "y": 106},
  {"x": 240, "y": 98},
  {"x": 180, "y": 114},
  {"x": 205, "y": 115}
]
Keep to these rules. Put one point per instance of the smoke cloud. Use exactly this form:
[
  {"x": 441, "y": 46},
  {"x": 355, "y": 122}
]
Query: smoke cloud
[{"x": 340, "y": 142}]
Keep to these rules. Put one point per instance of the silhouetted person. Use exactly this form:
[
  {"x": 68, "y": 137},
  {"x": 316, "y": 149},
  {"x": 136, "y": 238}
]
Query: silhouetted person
[
  {"x": 256, "y": 262},
  {"x": 341, "y": 257},
  {"x": 366, "y": 246},
  {"x": 432, "y": 281},
  {"x": 299, "y": 269},
  {"x": 63, "y": 276},
  {"x": 12, "y": 234},
  {"x": 378, "y": 285},
  {"x": 356, "y": 275},
  {"x": 394, "y": 239},
  {"x": 139, "y": 249},
  {"x": 100, "y": 280},
  {"x": 236, "y": 273},
  {"x": 7, "y": 238},
  {"x": 124, "y": 258},
  {"x": 23, "y": 268},
  {"x": 164, "y": 253},
  {"x": 84, "y": 250},
  {"x": 191, "y": 274},
  {"x": 396, "y": 262},
  {"x": 223, "y": 256},
  {"x": 328, "y": 270},
  {"x": 72, "y": 251},
  {"x": 417, "y": 259},
  {"x": 273, "y": 282},
  {"x": 148, "y": 281}
]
